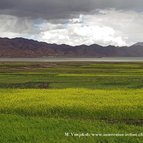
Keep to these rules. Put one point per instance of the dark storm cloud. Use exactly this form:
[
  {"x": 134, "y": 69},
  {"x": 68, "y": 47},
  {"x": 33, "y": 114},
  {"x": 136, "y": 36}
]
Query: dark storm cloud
[{"x": 56, "y": 9}]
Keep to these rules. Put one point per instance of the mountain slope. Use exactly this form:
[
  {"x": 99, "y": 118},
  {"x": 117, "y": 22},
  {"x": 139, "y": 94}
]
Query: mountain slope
[
  {"x": 20, "y": 47},
  {"x": 138, "y": 44}
]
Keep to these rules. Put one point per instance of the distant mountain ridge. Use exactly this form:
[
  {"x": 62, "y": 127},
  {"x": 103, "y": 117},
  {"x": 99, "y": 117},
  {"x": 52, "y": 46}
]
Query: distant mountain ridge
[
  {"x": 25, "y": 48},
  {"x": 138, "y": 44}
]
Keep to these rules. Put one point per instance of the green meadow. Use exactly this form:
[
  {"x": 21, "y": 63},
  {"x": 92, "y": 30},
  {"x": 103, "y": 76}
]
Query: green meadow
[{"x": 71, "y": 102}]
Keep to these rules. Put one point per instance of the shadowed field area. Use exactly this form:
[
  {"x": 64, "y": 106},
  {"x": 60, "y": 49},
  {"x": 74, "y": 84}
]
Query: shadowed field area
[
  {"x": 71, "y": 75},
  {"x": 40, "y": 102}
]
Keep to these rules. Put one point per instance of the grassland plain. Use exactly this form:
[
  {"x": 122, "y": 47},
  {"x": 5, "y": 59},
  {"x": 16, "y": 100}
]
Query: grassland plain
[{"x": 40, "y": 102}]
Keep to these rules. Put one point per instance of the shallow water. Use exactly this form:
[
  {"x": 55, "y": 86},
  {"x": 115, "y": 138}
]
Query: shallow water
[{"x": 106, "y": 59}]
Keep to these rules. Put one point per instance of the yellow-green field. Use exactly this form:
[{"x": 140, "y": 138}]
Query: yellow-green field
[{"x": 40, "y": 102}]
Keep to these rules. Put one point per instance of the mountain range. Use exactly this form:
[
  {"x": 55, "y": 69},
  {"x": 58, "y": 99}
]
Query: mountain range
[{"x": 25, "y": 48}]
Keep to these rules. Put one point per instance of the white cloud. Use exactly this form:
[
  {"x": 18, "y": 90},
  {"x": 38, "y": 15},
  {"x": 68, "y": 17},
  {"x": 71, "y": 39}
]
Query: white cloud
[
  {"x": 77, "y": 34},
  {"x": 87, "y": 29},
  {"x": 104, "y": 27}
]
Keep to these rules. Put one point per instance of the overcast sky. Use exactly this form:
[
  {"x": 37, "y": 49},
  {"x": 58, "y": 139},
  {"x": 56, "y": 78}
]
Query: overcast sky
[{"x": 73, "y": 22}]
